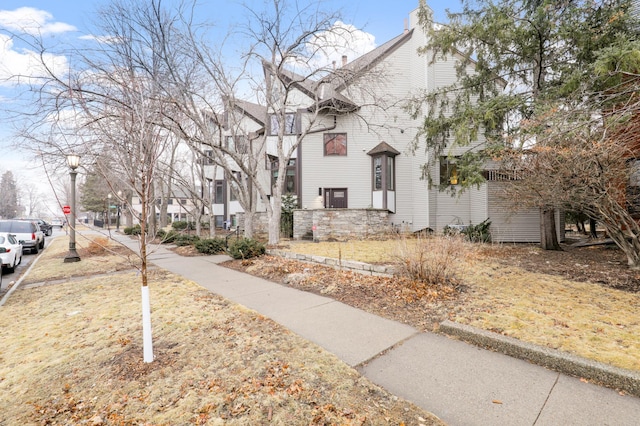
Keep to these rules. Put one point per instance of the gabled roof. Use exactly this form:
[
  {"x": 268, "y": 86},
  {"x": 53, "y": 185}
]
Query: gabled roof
[
  {"x": 256, "y": 112},
  {"x": 384, "y": 148},
  {"x": 327, "y": 90},
  {"x": 371, "y": 59}
]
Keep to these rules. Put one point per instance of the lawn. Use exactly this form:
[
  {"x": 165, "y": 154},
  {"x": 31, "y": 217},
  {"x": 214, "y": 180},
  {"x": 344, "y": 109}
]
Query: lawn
[
  {"x": 560, "y": 300},
  {"x": 71, "y": 354}
]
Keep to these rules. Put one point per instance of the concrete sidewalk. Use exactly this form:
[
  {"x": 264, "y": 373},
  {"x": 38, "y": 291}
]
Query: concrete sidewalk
[{"x": 460, "y": 383}]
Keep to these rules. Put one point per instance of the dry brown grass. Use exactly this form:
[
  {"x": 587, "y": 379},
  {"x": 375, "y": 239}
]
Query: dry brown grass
[
  {"x": 583, "y": 318},
  {"x": 71, "y": 354},
  {"x": 98, "y": 254}
]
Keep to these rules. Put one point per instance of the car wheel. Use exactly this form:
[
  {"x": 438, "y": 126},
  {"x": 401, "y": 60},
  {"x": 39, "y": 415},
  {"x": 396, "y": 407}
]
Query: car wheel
[
  {"x": 35, "y": 249},
  {"x": 42, "y": 244},
  {"x": 12, "y": 268}
]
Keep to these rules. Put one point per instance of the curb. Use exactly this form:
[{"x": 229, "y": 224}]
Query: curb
[{"x": 597, "y": 372}]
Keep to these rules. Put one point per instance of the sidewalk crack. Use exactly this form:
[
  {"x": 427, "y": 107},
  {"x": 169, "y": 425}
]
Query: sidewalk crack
[{"x": 546, "y": 399}]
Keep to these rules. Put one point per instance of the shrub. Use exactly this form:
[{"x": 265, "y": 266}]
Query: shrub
[
  {"x": 97, "y": 246},
  {"x": 432, "y": 260},
  {"x": 245, "y": 248},
  {"x": 475, "y": 233},
  {"x": 478, "y": 233},
  {"x": 179, "y": 225},
  {"x": 133, "y": 230},
  {"x": 167, "y": 237},
  {"x": 185, "y": 240},
  {"x": 210, "y": 245}
]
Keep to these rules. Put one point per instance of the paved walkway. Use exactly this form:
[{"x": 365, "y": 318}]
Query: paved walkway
[{"x": 458, "y": 382}]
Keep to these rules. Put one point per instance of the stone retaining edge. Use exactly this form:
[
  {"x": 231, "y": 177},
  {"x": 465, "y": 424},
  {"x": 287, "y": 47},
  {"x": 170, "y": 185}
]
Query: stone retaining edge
[
  {"x": 360, "y": 267},
  {"x": 600, "y": 373}
]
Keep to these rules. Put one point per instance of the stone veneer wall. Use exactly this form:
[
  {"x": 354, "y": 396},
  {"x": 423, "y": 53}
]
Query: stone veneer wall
[
  {"x": 340, "y": 224},
  {"x": 260, "y": 224}
]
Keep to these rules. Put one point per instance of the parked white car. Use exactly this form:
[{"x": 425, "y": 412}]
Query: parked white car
[
  {"x": 27, "y": 232},
  {"x": 10, "y": 251}
]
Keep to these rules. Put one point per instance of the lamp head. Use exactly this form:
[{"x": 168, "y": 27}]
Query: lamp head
[{"x": 73, "y": 160}]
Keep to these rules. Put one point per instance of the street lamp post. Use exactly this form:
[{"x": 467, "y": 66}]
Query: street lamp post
[
  {"x": 109, "y": 210},
  {"x": 73, "y": 161},
  {"x": 119, "y": 207}
]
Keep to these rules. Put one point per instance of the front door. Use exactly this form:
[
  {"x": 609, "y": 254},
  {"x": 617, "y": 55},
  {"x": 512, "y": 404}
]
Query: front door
[{"x": 335, "y": 198}]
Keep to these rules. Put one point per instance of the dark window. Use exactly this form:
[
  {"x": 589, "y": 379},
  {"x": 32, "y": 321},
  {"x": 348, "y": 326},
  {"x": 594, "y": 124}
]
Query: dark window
[
  {"x": 207, "y": 158},
  {"x": 233, "y": 196},
  {"x": 449, "y": 174},
  {"x": 377, "y": 173},
  {"x": 390, "y": 173},
  {"x": 290, "y": 124},
  {"x": 183, "y": 201},
  {"x": 335, "y": 144},
  {"x": 218, "y": 196},
  {"x": 290, "y": 178}
]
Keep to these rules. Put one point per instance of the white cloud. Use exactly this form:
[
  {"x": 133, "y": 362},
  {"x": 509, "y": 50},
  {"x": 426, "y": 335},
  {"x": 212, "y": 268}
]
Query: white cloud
[
  {"x": 341, "y": 40},
  {"x": 20, "y": 66},
  {"x": 32, "y": 21}
]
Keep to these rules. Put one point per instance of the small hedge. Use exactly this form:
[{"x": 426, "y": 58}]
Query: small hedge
[
  {"x": 210, "y": 245},
  {"x": 179, "y": 225},
  {"x": 132, "y": 230},
  {"x": 167, "y": 237},
  {"x": 245, "y": 248},
  {"x": 475, "y": 233},
  {"x": 185, "y": 240}
]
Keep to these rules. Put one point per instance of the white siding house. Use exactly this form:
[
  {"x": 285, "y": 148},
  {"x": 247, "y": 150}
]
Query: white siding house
[{"x": 361, "y": 156}]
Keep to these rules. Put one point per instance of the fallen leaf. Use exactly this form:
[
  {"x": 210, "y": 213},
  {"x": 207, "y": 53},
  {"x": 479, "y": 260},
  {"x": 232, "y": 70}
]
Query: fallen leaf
[{"x": 495, "y": 401}]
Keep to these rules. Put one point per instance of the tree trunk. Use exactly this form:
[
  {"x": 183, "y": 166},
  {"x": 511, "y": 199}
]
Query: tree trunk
[
  {"x": 249, "y": 218},
  {"x": 274, "y": 219},
  {"x": 592, "y": 228},
  {"x": 630, "y": 245},
  {"x": 548, "y": 234}
]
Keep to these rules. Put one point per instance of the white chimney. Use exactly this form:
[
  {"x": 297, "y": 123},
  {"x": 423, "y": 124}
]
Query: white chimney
[{"x": 344, "y": 60}]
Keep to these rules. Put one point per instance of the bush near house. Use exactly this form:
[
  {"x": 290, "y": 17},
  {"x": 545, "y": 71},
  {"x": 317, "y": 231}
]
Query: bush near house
[
  {"x": 210, "y": 245},
  {"x": 185, "y": 240},
  {"x": 180, "y": 225},
  {"x": 132, "y": 230},
  {"x": 245, "y": 248},
  {"x": 475, "y": 233}
]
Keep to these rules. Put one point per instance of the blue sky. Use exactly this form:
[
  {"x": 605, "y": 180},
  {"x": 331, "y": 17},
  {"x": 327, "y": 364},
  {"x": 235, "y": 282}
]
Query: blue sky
[{"x": 67, "y": 20}]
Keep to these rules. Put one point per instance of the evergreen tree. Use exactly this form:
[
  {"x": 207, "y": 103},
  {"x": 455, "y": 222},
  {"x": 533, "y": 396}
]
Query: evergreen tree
[
  {"x": 514, "y": 55},
  {"x": 9, "y": 204},
  {"x": 94, "y": 193}
]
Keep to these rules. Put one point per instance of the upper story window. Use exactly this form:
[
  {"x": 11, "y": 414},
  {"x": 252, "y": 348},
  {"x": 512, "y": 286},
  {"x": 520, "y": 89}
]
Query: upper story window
[
  {"x": 449, "y": 173},
  {"x": 218, "y": 194},
  {"x": 335, "y": 144},
  {"x": 207, "y": 157},
  {"x": 233, "y": 196},
  {"x": 290, "y": 124}
]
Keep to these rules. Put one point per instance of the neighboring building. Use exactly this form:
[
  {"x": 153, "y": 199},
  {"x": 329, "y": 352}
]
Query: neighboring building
[
  {"x": 179, "y": 208},
  {"x": 359, "y": 156}
]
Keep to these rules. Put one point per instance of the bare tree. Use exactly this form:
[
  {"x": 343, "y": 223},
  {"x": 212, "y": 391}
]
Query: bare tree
[
  {"x": 585, "y": 156},
  {"x": 111, "y": 107}
]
